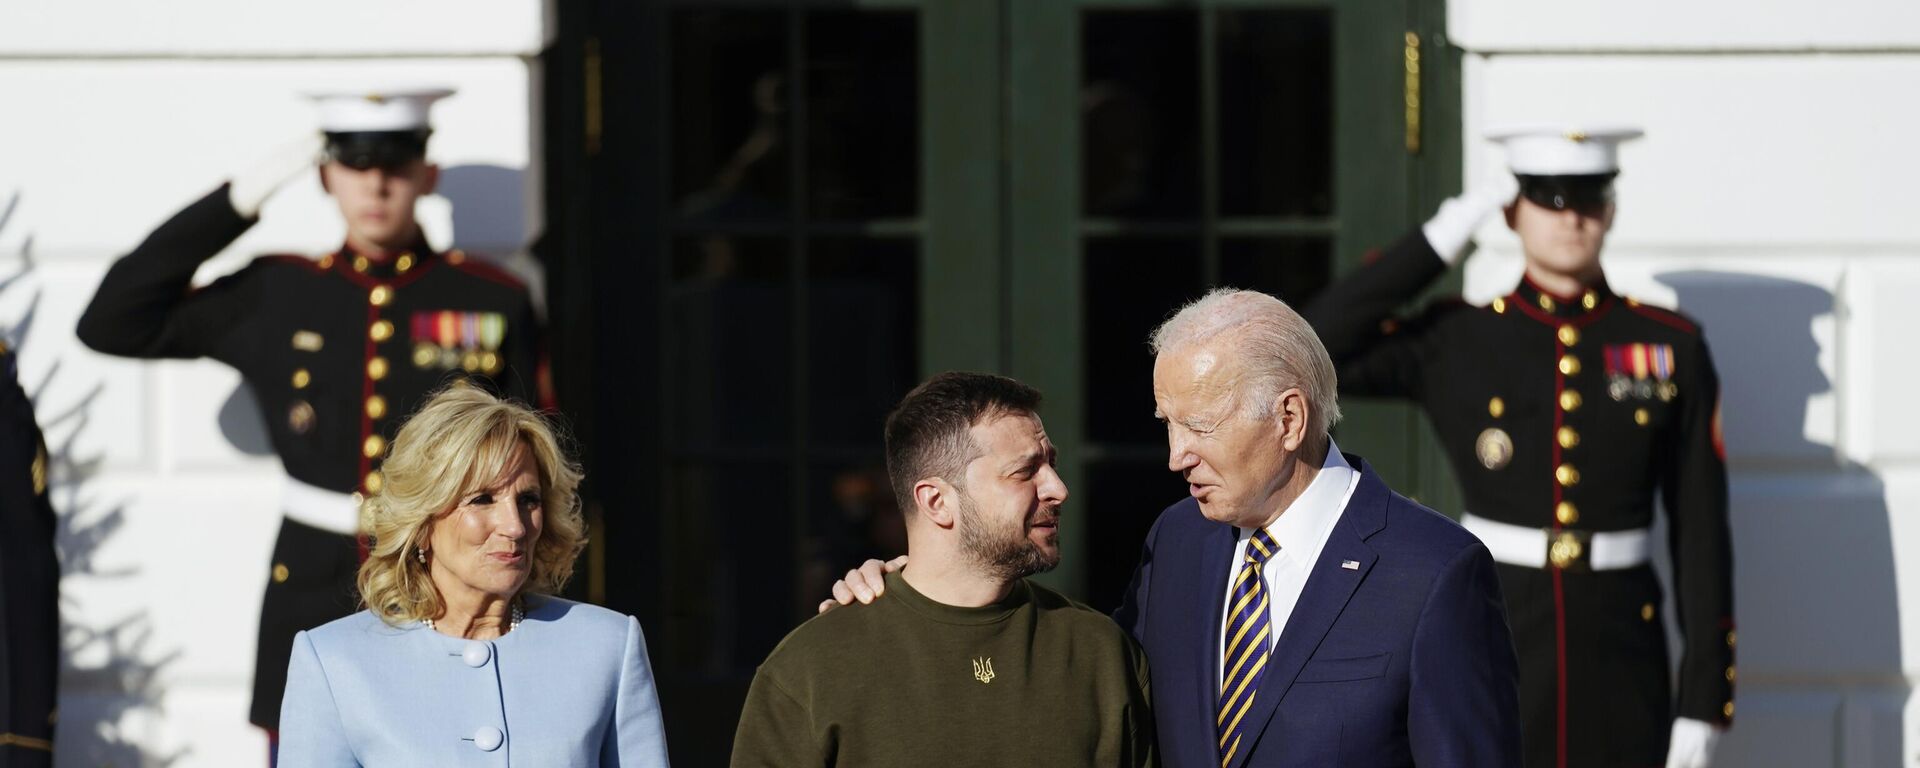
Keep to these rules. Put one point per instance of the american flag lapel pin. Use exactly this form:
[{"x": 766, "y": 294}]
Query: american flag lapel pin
[{"x": 1351, "y": 565}]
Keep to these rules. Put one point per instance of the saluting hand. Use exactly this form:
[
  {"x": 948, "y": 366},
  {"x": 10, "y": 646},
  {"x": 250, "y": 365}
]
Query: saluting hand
[{"x": 252, "y": 187}]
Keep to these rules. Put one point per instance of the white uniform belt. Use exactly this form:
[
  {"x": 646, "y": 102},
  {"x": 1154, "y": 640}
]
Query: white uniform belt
[
  {"x": 318, "y": 507},
  {"x": 1536, "y": 547}
]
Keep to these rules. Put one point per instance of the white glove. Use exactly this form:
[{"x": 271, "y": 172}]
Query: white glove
[
  {"x": 1452, "y": 226},
  {"x": 252, "y": 187},
  {"x": 1692, "y": 744}
]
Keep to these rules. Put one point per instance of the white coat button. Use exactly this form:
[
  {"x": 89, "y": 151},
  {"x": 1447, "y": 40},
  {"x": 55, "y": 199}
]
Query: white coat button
[
  {"x": 487, "y": 738},
  {"x": 476, "y": 654}
]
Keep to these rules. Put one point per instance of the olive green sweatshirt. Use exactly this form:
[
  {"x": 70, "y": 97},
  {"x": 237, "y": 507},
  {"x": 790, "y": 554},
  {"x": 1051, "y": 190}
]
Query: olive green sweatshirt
[{"x": 1033, "y": 680}]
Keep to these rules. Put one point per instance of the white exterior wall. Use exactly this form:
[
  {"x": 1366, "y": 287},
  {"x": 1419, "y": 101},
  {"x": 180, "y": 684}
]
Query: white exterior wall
[
  {"x": 1774, "y": 199},
  {"x": 117, "y": 114}
]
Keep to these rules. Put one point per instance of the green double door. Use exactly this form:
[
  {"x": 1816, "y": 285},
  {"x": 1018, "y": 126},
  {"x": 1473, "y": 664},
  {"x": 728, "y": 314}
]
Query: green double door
[{"x": 783, "y": 215}]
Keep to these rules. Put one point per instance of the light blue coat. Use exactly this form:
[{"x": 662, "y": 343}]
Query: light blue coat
[{"x": 570, "y": 687}]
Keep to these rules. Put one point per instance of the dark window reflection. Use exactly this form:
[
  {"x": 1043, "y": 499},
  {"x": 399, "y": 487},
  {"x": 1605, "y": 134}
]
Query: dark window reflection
[
  {"x": 727, "y": 360},
  {"x": 1276, "y": 112},
  {"x": 728, "y": 605},
  {"x": 1129, "y": 495},
  {"x": 1140, "y": 107},
  {"x": 729, "y": 115},
  {"x": 863, "y": 114},
  {"x": 851, "y": 517},
  {"x": 863, "y": 320},
  {"x": 1293, "y": 269},
  {"x": 1130, "y": 287}
]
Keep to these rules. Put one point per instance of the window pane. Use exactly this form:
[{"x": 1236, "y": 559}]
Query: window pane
[
  {"x": 1130, "y": 494},
  {"x": 732, "y": 534},
  {"x": 851, "y": 517},
  {"x": 1293, "y": 270},
  {"x": 863, "y": 114},
  {"x": 1276, "y": 112},
  {"x": 727, "y": 371},
  {"x": 729, "y": 115},
  {"x": 1130, "y": 286},
  {"x": 862, "y": 337},
  {"x": 1140, "y": 110}
]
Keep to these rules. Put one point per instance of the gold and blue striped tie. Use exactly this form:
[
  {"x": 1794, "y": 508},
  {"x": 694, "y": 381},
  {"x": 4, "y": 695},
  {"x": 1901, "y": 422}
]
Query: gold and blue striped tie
[{"x": 1248, "y": 635}]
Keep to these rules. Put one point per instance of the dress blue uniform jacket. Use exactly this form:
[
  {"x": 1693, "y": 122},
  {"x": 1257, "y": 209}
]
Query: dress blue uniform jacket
[
  {"x": 1403, "y": 658},
  {"x": 570, "y": 687}
]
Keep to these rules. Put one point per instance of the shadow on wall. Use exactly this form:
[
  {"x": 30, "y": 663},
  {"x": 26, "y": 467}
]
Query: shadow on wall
[
  {"x": 1814, "y": 586},
  {"x": 109, "y": 675},
  {"x": 489, "y": 218}
]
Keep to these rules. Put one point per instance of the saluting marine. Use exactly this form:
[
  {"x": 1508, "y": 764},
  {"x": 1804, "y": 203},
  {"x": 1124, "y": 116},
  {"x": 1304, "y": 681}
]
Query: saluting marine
[
  {"x": 1566, "y": 412},
  {"x": 29, "y": 583},
  {"x": 337, "y": 349}
]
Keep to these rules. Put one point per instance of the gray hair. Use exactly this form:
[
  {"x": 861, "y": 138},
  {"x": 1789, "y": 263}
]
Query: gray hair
[{"x": 1276, "y": 346}]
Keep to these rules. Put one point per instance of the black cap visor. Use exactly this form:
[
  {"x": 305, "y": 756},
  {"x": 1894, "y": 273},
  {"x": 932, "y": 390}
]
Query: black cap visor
[
  {"x": 364, "y": 150},
  {"x": 1586, "y": 194}
]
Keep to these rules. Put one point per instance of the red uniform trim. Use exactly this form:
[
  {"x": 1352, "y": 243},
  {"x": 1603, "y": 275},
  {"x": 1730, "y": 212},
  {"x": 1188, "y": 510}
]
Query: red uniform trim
[
  {"x": 1559, "y": 596},
  {"x": 312, "y": 265},
  {"x": 474, "y": 267},
  {"x": 1665, "y": 317},
  {"x": 1527, "y": 308}
]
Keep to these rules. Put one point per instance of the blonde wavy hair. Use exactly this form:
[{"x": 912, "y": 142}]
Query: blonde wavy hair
[{"x": 460, "y": 441}]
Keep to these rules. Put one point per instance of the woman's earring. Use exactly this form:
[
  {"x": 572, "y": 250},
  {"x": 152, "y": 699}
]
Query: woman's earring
[{"x": 420, "y": 553}]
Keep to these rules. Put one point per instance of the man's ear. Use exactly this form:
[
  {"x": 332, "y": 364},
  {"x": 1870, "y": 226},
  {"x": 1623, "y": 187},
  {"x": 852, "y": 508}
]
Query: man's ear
[
  {"x": 1291, "y": 415},
  {"x": 934, "y": 500},
  {"x": 1512, "y": 213},
  {"x": 326, "y": 183},
  {"x": 430, "y": 180}
]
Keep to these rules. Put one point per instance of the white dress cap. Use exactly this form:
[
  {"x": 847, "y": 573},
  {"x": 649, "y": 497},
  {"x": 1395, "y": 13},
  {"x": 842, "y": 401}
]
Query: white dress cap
[
  {"x": 1563, "y": 150},
  {"x": 397, "y": 110}
]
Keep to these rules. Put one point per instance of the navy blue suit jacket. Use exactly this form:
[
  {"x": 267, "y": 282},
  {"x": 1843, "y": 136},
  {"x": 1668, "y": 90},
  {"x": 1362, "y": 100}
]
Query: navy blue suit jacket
[{"x": 1403, "y": 660}]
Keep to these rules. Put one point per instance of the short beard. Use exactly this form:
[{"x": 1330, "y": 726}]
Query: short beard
[{"x": 1003, "y": 552}]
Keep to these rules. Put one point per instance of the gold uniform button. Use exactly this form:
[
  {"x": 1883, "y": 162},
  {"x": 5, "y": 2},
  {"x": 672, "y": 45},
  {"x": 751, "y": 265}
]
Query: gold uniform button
[
  {"x": 326, "y": 262},
  {"x": 1567, "y": 475},
  {"x": 1727, "y": 710},
  {"x": 381, "y": 330},
  {"x": 1500, "y": 306},
  {"x": 1569, "y": 401},
  {"x": 373, "y": 446},
  {"x": 1646, "y": 612},
  {"x": 301, "y": 378},
  {"x": 380, "y": 296},
  {"x": 376, "y": 407},
  {"x": 280, "y": 573},
  {"x": 1496, "y": 407},
  {"x": 1589, "y": 301},
  {"x": 405, "y": 263},
  {"x": 374, "y": 481},
  {"x": 360, "y": 264},
  {"x": 456, "y": 256},
  {"x": 1730, "y": 638},
  {"x": 1729, "y": 674},
  {"x": 1641, "y": 417},
  {"x": 377, "y": 368},
  {"x": 1569, "y": 335},
  {"x": 1546, "y": 303},
  {"x": 1569, "y": 365},
  {"x": 1567, "y": 436},
  {"x": 1566, "y": 513}
]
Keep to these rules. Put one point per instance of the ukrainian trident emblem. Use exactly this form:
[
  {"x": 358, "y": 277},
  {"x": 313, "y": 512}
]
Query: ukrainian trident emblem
[{"x": 983, "y": 669}]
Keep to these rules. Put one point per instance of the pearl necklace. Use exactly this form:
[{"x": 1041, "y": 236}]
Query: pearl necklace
[{"x": 513, "y": 621}]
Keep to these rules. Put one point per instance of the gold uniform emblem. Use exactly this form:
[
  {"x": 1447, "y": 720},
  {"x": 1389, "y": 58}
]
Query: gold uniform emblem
[
  {"x": 1494, "y": 448},
  {"x": 983, "y": 669}
]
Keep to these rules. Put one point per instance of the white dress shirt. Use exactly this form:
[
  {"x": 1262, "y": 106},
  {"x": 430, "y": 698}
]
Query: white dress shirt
[{"x": 1301, "y": 532}]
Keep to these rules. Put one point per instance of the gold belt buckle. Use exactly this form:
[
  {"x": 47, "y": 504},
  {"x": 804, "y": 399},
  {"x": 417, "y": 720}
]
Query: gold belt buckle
[{"x": 1567, "y": 550}]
